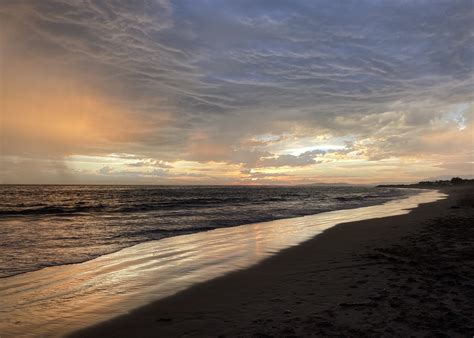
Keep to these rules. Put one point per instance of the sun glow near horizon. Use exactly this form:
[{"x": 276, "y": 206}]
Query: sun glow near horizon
[{"x": 160, "y": 96}]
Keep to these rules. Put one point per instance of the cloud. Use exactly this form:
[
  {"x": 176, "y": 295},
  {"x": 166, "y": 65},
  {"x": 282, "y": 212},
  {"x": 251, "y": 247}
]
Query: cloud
[
  {"x": 288, "y": 160},
  {"x": 110, "y": 171},
  {"x": 200, "y": 81},
  {"x": 150, "y": 163},
  {"x": 107, "y": 170}
]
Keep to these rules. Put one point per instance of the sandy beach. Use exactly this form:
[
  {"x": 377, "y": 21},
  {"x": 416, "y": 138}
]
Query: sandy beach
[
  {"x": 404, "y": 275},
  {"x": 247, "y": 168}
]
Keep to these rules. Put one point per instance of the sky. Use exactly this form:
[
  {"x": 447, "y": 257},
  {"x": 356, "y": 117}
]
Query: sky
[{"x": 235, "y": 91}]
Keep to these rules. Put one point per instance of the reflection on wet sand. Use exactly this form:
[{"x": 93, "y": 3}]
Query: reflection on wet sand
[{"x": 57, "y": 300}]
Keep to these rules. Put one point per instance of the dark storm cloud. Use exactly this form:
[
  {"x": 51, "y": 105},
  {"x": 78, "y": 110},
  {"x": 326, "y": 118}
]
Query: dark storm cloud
[
  {"x": 234, "y": 69},
  {"x": 216, "y": 56}
]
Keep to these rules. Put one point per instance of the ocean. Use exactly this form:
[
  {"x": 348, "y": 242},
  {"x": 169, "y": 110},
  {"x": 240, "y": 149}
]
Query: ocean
[{"x": 50, "y": 225}]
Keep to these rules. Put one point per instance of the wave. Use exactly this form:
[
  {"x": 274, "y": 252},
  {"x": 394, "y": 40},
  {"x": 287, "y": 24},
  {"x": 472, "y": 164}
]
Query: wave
[
  {"x": 172, "y": 204},
  {"x": 164, "y": 232},
  {"x": 48, "y": 210}
]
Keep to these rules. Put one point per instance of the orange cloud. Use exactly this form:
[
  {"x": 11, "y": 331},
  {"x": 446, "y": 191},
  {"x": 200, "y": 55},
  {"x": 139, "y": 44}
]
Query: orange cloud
[
  {"x": 201, "y": 147},
  {"x": 50, "y": 114}
]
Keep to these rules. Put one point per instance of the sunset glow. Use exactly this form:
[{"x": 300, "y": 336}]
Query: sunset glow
[{"x": 223, "y": 92}]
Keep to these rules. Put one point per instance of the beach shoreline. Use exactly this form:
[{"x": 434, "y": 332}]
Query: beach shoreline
[
  {"x": 368, "y": 277},
  {"x": 57, "y": 300}
]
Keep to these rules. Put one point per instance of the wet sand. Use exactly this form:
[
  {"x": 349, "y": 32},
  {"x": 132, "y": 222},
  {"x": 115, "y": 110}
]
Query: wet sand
[{"x": 395, "y": 276}]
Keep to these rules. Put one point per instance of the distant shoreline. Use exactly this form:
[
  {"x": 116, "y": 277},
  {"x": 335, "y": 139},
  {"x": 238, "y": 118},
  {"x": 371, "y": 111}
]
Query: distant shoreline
[{"x": 454, "y": 182}]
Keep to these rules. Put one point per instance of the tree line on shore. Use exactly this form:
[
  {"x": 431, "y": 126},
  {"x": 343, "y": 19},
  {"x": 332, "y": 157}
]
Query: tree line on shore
[{"x": 455, "y": 181}]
